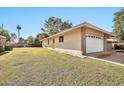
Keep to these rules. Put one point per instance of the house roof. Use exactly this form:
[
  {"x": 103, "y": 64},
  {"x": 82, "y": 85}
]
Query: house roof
[
  {"x": 112, "y": 40},
  {"x": 2, "y": 36},
  {"x": 85, "y": 24}
]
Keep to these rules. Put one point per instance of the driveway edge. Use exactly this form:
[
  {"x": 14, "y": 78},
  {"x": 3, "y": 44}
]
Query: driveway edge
[
  {"x": 83, "y": 56},
  {"x": 106, "y": 61}
]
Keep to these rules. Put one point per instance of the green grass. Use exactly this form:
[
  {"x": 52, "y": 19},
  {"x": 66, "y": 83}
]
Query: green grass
[{"x": 37, "y": 66}]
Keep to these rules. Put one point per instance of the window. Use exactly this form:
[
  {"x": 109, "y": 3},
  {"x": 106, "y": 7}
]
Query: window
[
  {"x": 53, "y": 41},
  {"x": 48, "y": 41},
  {"x": 61, "y": 39},
  {"x": 91, "y": 36}
]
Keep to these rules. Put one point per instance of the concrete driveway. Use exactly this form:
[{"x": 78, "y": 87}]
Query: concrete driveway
[{"x": 116, "y": 57}]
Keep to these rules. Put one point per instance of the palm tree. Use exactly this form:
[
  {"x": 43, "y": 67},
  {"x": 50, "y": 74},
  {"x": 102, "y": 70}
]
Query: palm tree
[{"x": 18, "y": 28}]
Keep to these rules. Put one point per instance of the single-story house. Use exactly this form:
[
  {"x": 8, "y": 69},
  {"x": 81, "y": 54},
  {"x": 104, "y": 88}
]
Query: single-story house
[
  {"x": 112, "y": 42},
  {"x": 2, "y": 40},
  {"x": 84, "y": 38}
]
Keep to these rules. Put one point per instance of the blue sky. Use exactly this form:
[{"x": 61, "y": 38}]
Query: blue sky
[{"x": 32, "y": 19}]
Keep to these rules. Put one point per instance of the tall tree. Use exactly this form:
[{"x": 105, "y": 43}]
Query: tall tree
[
  {"x": 36, "y": 43},
  {"x": 18, "y": 28},
  {"x": 30, "y": 40},
  {"x": 118, "y": 28},
  {"x": 54, "y": 25},
  {"x": 66, "y": 25},
  {"x": 5, "y": 33},
  {"x": 41, "y": 36}
]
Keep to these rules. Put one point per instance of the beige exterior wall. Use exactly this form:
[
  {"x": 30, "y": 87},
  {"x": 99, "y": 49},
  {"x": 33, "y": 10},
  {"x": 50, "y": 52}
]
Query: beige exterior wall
[
  {"x": 76, "y": 39},
  {"x": 72, "y": 40}
]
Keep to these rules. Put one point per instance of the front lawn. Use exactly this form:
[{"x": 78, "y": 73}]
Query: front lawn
[{"x": 37, "y": 66}]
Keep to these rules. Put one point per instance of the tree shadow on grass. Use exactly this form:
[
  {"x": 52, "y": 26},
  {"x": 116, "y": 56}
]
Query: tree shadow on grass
[{"x": 3, "y": 53}]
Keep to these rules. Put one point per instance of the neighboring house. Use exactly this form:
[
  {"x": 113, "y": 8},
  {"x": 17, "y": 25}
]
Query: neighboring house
[
  {"x": 2, "y": 40},
  {"x": 84, "y": 38}
]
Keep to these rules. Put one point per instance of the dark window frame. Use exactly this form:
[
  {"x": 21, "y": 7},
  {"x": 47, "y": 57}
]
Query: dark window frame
[
  {"x": 53, "y": 41},
  {"x": 61, "y": 39},
  {"x": 48, "y": 41}
]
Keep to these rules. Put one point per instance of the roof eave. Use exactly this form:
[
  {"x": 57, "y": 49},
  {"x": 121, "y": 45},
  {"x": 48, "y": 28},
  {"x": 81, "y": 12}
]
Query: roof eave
[{"x": 85, "y": 24}]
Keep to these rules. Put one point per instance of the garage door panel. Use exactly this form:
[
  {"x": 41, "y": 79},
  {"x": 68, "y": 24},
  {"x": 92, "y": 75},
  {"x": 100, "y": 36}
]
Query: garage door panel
[{"x": 93, "y": 45}]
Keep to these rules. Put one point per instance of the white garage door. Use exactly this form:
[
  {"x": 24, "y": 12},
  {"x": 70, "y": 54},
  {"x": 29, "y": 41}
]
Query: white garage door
[{"x": 94, "y": 44}]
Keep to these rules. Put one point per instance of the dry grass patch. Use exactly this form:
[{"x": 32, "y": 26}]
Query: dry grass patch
[{"x": 37, "y": 66}]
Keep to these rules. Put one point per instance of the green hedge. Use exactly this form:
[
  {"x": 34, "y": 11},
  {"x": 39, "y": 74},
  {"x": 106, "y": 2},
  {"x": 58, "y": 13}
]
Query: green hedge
[
  {"x": 8, "y": 48},
  {"x": 2, "y": 48},
  {"x": 119, "y": 46}
]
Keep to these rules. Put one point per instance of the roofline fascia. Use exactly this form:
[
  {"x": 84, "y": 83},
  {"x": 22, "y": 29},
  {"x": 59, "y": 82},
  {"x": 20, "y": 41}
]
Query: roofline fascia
[{"x": 85, "y": 24}]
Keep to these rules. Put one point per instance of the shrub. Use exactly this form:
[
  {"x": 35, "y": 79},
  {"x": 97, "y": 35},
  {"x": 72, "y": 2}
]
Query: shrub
[
  {"x": 119, "y": 46},
  {"x": 2, "y": 48},
  {"x": 8, "y": 48},
  {"x": 116, "y": 46},
  {"x": 36, "y": 43}
]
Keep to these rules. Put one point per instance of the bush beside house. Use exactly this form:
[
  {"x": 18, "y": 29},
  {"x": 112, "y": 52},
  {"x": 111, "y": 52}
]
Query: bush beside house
[
  {"x": 32, "y": 42},
  {"x": 3, "y": 44},
  {"x": 2, "y": 49},
  {"x": 120, "y": 47},
  {"x": 8, "y": 48},
  {"x": 5, "y": 48}
]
